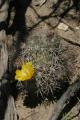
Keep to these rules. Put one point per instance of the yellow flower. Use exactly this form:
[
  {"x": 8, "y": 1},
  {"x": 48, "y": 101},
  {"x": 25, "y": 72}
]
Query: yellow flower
[{"x": 25, "y": 73}]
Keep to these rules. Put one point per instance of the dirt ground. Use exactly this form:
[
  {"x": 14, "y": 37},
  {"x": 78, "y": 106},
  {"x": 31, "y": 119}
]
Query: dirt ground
[{"x": 40, "y": 112}]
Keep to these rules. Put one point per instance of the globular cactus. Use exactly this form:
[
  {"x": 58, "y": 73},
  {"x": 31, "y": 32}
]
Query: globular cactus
[{"x": 50, "y": 71}]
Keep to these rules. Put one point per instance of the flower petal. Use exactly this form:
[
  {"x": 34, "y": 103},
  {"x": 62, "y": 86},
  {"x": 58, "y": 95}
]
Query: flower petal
[{"x": 26, "y": 72}]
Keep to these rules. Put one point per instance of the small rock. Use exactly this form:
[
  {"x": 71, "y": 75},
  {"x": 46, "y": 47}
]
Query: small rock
[
  {"x": 77, "y": 28},
  {"x": 62, "y": 26}
]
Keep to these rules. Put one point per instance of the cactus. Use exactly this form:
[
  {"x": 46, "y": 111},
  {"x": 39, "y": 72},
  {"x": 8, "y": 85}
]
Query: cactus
[{"x": 51, "y": 71}]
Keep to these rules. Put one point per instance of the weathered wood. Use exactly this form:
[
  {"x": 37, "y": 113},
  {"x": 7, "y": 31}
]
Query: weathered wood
[
  {"x": 71, "y": 92},
  {"x": 7, "y": 106},
  {"x": 3, "y": 54},
  {"x": 11, "y": 113}
]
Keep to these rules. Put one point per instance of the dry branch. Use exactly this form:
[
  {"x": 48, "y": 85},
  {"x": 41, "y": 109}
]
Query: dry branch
[{"x": 66, "y": 98}]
